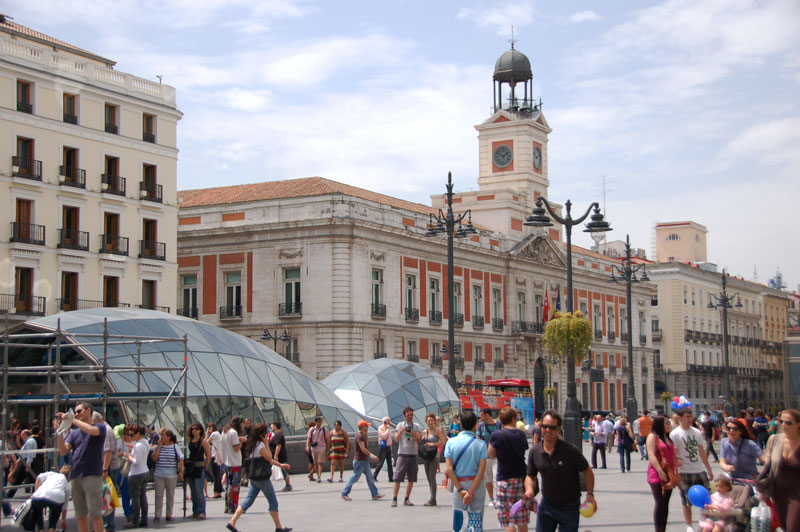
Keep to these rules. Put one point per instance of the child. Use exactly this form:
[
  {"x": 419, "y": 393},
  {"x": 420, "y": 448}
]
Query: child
[{"x": 721, "y": 501}]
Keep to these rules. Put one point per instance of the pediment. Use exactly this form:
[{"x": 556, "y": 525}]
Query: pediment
[{"x": 541, "y": 249}]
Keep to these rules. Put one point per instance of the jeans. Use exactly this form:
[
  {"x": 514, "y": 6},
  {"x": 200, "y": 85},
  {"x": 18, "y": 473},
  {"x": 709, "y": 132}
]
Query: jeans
[
  {"x": 38, "y": 506},
  {"x": 359, "y": 467},
  {"x": 216, "y": 472},
  {"x": 138, "y": 485},
  {"x": 566, "y": 517},
  {"x": 643, "y": 448},
  {"x": 602, "y": 448},
  {"x": 430, "y": 473},
  {"x": 384, "y": 454},
  {"x": 7, "y": 510},
  {"x": 164, "y": 484},
  {"x": 624, "y": 456},
  {"x": 125, "y": 496},
  {"x": 710, "y": 449},
  {"x": 108, "y": 521},
  {"x": 269, "y": 492},
  {"x": 198, "y": 497}
]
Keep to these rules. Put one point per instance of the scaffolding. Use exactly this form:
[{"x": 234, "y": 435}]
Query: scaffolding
[{"x": 58, "y": 394}]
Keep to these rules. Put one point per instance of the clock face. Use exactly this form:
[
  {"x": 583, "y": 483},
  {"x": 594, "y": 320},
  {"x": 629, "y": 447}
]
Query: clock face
[
  {"x": 503, "y": 156},
  {"x": 537, "y": 158}
]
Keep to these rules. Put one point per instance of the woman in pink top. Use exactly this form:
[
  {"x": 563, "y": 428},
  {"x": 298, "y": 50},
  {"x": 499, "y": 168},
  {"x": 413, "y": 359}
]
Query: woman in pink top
[{"x": 661, "y": 472}]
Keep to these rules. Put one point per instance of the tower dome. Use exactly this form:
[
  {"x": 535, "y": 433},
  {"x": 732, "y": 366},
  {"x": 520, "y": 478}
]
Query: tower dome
[{"x": 513, "y": 66}]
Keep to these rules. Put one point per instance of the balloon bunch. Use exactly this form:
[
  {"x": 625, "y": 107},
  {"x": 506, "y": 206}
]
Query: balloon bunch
[{"x": 680, "y": 402}]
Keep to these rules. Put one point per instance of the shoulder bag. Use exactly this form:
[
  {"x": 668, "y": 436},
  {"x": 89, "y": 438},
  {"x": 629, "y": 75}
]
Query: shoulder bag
[
  {"x": 426, "y": 452},
  {"x": 451, "y": 485},
  {"x": 258, "y": 468},
  {"x": 765, "y": 483}
]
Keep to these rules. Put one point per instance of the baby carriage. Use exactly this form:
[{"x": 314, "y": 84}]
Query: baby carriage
[{"x": 737, "y": 519}]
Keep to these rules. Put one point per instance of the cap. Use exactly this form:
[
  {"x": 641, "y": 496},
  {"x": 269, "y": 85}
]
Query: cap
[
  {"x": 363, "y": 423},
  {"x": 386, "y": 418}
]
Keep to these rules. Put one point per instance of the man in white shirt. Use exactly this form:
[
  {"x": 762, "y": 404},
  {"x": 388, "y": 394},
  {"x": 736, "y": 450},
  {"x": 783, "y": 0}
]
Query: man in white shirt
[
  {"x": 232, "y": 452},
  {"x": 694, "y": 464},
  {"x": 600, "y": 433}
]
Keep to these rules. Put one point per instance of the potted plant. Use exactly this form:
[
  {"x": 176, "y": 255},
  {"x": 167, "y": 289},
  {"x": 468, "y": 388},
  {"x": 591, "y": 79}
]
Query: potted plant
[{"x": 568, "y": 336}]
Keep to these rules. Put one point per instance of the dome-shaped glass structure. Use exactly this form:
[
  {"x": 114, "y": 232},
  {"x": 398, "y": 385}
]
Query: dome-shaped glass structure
[
  {"x": 385, "y": 386},
  {"x": 228, "y": 374}
]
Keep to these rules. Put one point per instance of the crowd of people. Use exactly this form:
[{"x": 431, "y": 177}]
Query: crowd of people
[{"x": 486, "y": 462}]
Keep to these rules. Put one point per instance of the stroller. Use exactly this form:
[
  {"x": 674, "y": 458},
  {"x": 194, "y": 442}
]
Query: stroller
[{"x": 744, "y": 498}]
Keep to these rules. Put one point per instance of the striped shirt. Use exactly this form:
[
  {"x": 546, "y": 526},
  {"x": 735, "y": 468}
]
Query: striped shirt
[{"x": 167, "y": 463}]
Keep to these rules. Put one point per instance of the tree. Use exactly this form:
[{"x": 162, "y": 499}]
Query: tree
[{"x": 568, "y": 336}]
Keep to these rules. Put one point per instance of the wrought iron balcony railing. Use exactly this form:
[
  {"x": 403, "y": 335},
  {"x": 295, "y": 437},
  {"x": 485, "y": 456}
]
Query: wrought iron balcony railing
[
  {"x": 230, "y": 312},
  {"x": 70, "y": 119},
  {"x": 189, "y": 312},
  {"x": 412, "y": 358},
  {"x": 598, "y": 334},
  {"x": 112, "y": 128},
  {"x": 154, "y": 307},
  {"x": 436, "y": 361},
  {"x": 151, "y": 191},
  {"x": 612, "y": 336},
  {"x": 642, "y": 339},
  {"x": 458, "y": 319},
  {"x": 435, "y": 317},
  {"x": 459, "y": 361},
  {"x": 412, "y": 314},
  {"x": 480, "y": 363},
  {"x": 150, "y": 249},
  {"x": 149, "y": 137},
  {"x": 113, "y": 184},
  {"x": 72, "y": 239},
  {"x": 497, "y": 324},
  {"x": 378, "y": 355},
  {"x": 114, "y": 244},
  {"x": 499, "y": 363},
  {"x": 72, "y": 177},
  {"x": 378, "y": 310},
  {"x": 657, "y": 335},
  {"x": 290, "y": 309},
  {"x": 23, "y": 304},
  {"x": 25, "y": 107},
  {"x": 623, "y": 337},
  {"x": 26, "y": 167},
  {"x": 477, "y": 322},
  {"x": 527, "y": 327},
  {"x": 27, "y": 233},
  {"x": 294, "y": 358}
]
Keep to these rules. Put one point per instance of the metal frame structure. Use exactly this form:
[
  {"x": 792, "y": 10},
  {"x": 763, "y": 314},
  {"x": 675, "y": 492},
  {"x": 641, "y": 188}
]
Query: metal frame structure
[{"x": 60, "y": 392}]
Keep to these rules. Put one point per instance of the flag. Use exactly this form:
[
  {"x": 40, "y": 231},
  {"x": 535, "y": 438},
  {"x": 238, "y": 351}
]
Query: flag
[
  {"x": 557, "y": 308},
  {"x": 546, "y": 306}
]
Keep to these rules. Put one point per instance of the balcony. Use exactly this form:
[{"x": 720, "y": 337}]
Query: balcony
[
  {"x": 70, "y": 119},
  {"x": 499, "y": 363},
  {"x": 645, "y": 371},
  {"x": 25, "y": 167},
  {"x": 23, "y": 304},
  {"x": 71, "y": 239},
  {"x": 598, "y": 334},
  {"x": 72, "y": 177},
  {"x": 112, "y": 128},
  {"x": 154, "y": 307},
  {"x": 624, "y": 338},
  {"x": 612, "y": 336},
  {"x": 412, "y": 358},
  {"x": 288, "y": 310},
  {"x": 151, "y": 192},
  {"x": 114, "y": 244},
  {"x": 480, "y": 363},
  {"x": 378, "y": 310},
  {"x": 66, "y": 304},
  {"x": 113, "y": 184},
  {"x": 657, "y": 335},
  {"x": 150, "y": 249},
  {"x": 642, "y": 339},
  {"x": 190, "y": 312},
  {"x": 688, "y": 335},
  {"x": 412, "y": 315},
  {"x": 458, "y": 319},
  {"x": 230, "y": 312},
  {"x": 586, "y": 365},
  {"x": 612, "y": 368},
  {"x": 294, "y": 358},
  {"x": 24, "y": 107},
  {"x": 435, "y": 317},
  {"x": 477, "y": 322},
  {"x": 706, "y": 337},
  {"x": 436, "y": 361},
  {"x": 497, "y": 324},
  {"x": 376, "y": 356},
  {"x": 459, "y": 361},
  {"x": 149, "y": 137},
  {"x": 27, "y": 233},
  {"x": 527, "y": 327}
]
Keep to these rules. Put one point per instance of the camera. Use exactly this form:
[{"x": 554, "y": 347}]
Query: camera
[{"x": 408, "y": 428}]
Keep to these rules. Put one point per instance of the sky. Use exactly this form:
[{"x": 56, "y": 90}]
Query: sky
[{"x": 661, "y": 111}]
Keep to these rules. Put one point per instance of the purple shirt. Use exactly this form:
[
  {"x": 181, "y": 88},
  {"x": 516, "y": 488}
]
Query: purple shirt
[
  {"x": 87, "y": 452},
  {"x": 743, "y": 456}
]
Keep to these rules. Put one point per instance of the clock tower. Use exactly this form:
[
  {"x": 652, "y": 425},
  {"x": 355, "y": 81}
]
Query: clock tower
[{"x": 513, "y": 141}]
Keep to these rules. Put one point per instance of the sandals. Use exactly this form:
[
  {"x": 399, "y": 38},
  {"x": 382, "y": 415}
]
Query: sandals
[{"x": 231, "y": 527}]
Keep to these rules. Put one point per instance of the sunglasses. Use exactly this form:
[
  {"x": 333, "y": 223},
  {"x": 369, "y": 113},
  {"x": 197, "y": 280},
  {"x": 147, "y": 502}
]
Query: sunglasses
[
  {"x": 787, "y": 423},
  {"x": 78, "y": 412},
  {"x": 549, "y": 427},
  {"x": 733, "y": 427}
]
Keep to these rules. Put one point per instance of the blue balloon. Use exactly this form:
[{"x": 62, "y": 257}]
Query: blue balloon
[
  {"x": 674, "y": 405},
  {"x": 699, "y": 496}
]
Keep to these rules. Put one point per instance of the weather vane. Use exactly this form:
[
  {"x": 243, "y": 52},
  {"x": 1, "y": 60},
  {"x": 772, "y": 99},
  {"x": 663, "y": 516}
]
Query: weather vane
[{"x": 513, "y": 41}]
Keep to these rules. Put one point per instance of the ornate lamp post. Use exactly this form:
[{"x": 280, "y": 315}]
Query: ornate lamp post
[
  {"x": 275, "y": 337},
  {"x": 451, "y": 226},
  {"x": 724, "y": 301},
  {"x": 539, "y": 218},
  {"x": 627, "y": 273}
]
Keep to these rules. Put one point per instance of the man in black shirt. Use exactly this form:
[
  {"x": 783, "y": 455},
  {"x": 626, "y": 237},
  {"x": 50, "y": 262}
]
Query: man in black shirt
[
  {"x": 277, "y": 446},
  {"x": 508, "y": 446},
  {"x": 708, "y": 435},
  {"x": 559, "y": 463}
]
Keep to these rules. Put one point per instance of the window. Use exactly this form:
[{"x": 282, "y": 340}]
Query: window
[
  {"x": 693, "y": 297},
  {"x": 24, "y": 93},
  {"x": 434, "y": 293},
  {"x": 149, "y": 294},
  {"x": 70, "y": 171},
  {"x": 477, "y": 300},
  {"x": 23, "y": 163},
  {"x": 23, "y": 279},
  {"x": 70, "y": 108},
  {"x": 655, "y": 325},
  {"x": 110, "y": 180},
  {"x": 112, "y": 117},
  {"x": 411, "y": 292},
  {"x": 70, "y": 236},
  {"x": 521, "y": 306},
  {"x": 411, "y": 351},
  {"x": 150, "y": 247},
  {"x": 291, "y": 291},
  {"x": 148, "y": 128},
  {"x": 435, "y": 351},
  {"x": 112, "y": 241},
  {"x": 538, "y": 302},
  {"x": 233, "y": 294},
  {"x": 610, "y": 320},
  {"x": 673, "y": 236},
  {"x": 685, "y": 295},
  {"x": 497, "y": 308},
  {"x": 457, "y": 309},
  {"x": 598, "y": 318},
  {"x": 189, "y": 296},
  {"x": 69, "y": 291},
  {"x": 378, "y": 346},
  {"x": 612, "y": 396},
  {"x": 583, "y": 307},
  {"x": 378, "y": 308},
  {"x": 110, "y": 291},
  {"x": 149, "y": 189},
  {"x": 478, "y": 353}
]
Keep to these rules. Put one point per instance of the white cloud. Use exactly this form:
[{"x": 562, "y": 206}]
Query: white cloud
[
  {"x": 584, "y": 16},
  {"x": 500, "y": 16}
]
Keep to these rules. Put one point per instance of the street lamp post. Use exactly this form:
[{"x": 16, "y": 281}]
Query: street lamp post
[
  {"x": 627, "y": 273},
  {"x": 539, "y": 218},
  {"x": 724, "y": 301},
  {"x": 550, "y": 361},
  {"x": 275, "y": 337},
  {"x": 451, "y": 226}
]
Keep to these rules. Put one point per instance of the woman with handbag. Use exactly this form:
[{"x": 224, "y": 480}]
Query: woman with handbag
[
  {"x": 195, "y": 467},
  {"x": 137, "y": 475},
  {"x": 662, "y": 476},
  {"x": 625, "y": 444},
  {"x": 258, "y": 462},
  {"x": 339, "y": 445},
  {"x": 780, "y": 479},
  {"x": 52, "y": 491},
  {"x": 168, "y": 472},
  {"x": 432, "y": 437}
]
